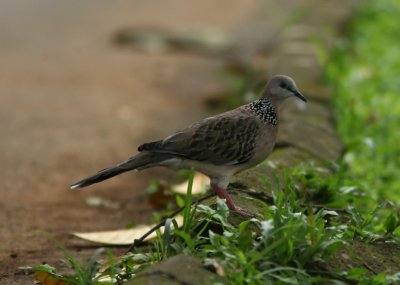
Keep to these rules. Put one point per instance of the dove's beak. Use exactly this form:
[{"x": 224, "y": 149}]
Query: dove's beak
[{"x": 299, "y": 95}]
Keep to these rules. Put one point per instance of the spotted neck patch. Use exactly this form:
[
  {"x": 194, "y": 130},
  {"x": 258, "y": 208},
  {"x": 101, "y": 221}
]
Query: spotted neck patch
[{"x": 264, "y": 109}]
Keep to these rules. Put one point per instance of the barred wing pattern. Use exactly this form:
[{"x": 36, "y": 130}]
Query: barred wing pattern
[{"x": 220, "y": 140}]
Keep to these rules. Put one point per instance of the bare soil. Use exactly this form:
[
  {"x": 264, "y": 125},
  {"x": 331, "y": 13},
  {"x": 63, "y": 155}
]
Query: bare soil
[{"x": 73, "y": 103}]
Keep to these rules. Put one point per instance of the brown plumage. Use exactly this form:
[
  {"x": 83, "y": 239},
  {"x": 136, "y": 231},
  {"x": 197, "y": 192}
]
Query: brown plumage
[{"x": 218, "y": 146}]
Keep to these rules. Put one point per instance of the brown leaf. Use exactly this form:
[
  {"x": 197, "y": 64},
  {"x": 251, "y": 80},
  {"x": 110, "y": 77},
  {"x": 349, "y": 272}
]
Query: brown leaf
[
  {"x": 200, "y": 182},
  {"x": 122, "y": 237}
]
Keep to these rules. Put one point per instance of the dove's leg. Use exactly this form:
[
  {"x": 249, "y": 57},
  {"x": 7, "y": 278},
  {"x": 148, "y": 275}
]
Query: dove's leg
[{"x": 222, "y": 193}]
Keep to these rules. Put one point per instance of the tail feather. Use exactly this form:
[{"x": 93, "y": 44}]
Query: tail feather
[{"x": 141, "y": 161}]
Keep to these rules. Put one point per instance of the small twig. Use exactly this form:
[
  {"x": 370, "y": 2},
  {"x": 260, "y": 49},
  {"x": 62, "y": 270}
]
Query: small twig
[
  {"x": 370, "y": 268},
  {"x": 258, "y": 195},
  {"x": 139, "y": 241},
  {"x": 326, "y": 273},
  {"x": 322, "y": 207}
]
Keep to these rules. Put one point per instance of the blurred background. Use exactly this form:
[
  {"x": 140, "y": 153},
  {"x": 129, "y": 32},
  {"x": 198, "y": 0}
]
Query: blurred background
[{"x": 81, "y": 86}]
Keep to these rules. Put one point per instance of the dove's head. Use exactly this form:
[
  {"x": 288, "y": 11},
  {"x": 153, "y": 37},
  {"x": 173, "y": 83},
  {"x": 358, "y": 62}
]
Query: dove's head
[{"x": 280, "y": 87}]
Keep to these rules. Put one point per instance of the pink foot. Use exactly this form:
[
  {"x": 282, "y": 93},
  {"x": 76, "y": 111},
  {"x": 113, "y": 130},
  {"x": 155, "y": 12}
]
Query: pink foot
[
  {"x": 242, "y": 211},
  {"x": 229, "y": 201}
]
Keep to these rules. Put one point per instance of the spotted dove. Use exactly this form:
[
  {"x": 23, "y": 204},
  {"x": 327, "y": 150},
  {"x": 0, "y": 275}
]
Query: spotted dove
[{"x": 218, "y": 146}]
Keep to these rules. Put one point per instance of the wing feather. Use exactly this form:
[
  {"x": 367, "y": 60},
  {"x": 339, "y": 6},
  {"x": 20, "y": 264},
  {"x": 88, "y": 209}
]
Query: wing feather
[{"x": 223, "y": 139}]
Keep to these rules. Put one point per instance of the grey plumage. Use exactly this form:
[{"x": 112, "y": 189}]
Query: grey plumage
[
  {"x": 218, "y": 146},
  {"x": 227, "y": 139}
]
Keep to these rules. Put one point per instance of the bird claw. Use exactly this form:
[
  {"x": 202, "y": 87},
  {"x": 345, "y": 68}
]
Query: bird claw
[
  {"x": 242, "y": 211},
  {"x": 222, "y": 193}
]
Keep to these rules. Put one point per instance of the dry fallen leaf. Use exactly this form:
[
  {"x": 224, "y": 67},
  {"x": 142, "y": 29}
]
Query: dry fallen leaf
[
  {"x": 159, "y": 195},
  {"x": 127, "y": 236},
  {"x": 46, "y": 278},
  {"x": 200, "y": 182},
  {"x": 219, "y": 269},
  {"x": 96, "y": 202},
  {"x": 122, "y": 237}
]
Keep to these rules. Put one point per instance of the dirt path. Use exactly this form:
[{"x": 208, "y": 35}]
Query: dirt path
[{"x": 72, "y": 103}]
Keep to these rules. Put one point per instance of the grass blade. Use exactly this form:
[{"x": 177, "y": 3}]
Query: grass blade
[{"x": 188, "y": 203}]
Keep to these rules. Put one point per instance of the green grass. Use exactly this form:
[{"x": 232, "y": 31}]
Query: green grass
[
  {"x": 364, "y": 71},
  {"x": 286, "y": 246},
  {"x": 87, "y": 273}
]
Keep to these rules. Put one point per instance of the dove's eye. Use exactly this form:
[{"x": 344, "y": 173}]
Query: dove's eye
[{"x": 283, "y": 85}]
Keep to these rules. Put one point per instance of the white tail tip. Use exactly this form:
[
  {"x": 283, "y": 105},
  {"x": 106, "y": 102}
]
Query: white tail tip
[{"x": 74, "y": 186}]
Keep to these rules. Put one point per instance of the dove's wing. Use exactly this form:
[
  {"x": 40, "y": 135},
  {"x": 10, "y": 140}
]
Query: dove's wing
[{"x": 221, "y": 140}]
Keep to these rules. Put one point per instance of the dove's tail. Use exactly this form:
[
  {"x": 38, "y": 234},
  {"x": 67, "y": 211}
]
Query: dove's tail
[{"x": 141, "y": 161}]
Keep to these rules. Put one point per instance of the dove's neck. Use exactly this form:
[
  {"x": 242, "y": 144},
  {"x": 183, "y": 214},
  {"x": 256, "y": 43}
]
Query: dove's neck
[{"x": 265, "y": 110}]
